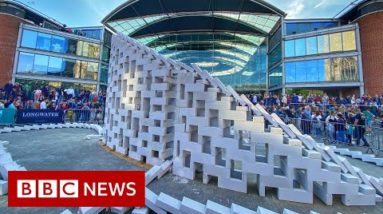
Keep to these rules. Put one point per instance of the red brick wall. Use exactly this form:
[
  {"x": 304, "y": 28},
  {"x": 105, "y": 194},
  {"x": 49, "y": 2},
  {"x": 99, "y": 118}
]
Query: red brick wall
[
  {"x": 9, "y": 31},
  {"x": 371, "y": 36}
]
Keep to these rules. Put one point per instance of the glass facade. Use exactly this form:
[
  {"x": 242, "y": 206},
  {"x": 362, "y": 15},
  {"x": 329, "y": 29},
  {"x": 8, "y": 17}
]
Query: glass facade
[
  {"x": 30, "y": 85},
  {"x": 344, "y": 69},
  {"x": 47, "y": 42},
  {"x": 275, "y": 77},
  {"x": 236, "y": 59},
  {"x": 303, "y": 27},
  {"x": 37, "y": 64},
  {"x": 323, "y": 44}
]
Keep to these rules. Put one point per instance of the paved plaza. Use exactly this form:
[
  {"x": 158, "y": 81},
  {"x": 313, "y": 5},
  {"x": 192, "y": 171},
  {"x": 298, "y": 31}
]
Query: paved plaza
[
  {"x": 66, "y": 149},
  {"x": 58, "y": 149}
]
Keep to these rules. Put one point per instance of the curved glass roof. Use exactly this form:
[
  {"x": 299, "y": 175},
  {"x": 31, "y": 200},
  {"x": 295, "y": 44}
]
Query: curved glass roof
[{"x": 220, "y": 36}]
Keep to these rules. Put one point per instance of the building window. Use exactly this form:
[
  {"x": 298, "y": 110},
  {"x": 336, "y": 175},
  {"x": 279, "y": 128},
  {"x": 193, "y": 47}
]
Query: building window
[
  {"x": 290, "y": 48},
  {"x": 40, "y": 64},
  {"x": 349, "y": 41},
  {"x": 323, "y": 44},
  {"x": 74, "y": 47},
  {"x": 336, "y": 42},
  {"x": 59, "y": 44},
  {"x": 29, "y": 39},
  {"x": 322, "y": 70},
  {"x": 275, "y": 77},
  {"x": 300, "y": 47},
  {"x": 91, "y": 50},
  {"x": 43, "y": 41},
  {"x": 69, "y": 66},
  {"x": 55, "y": 67},
  {"x": 90, "y": 71},
  {"x": 311, "y": 46},
  {"x": 25, "y": 63},
  {"x": 275, "y": 56}
]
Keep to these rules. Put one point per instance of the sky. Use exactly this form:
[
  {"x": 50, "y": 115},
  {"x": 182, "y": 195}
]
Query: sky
[{"x": 75, "y": 13}]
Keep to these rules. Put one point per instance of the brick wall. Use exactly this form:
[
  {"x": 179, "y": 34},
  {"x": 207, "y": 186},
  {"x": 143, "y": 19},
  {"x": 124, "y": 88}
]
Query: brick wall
[
  {"x": 8, "y": 41},
  {"x": 371, "y": 34}
]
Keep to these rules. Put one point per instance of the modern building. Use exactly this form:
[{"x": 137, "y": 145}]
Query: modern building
[
  {"x": 368, "y": 16},
  {"x": 37, "y": 50},
  {"x": 251, "y": 45},
  {"x": 321, "y": 55},
  {"x": 248, "y": 44},
  {"x": 228, "y": 38}
]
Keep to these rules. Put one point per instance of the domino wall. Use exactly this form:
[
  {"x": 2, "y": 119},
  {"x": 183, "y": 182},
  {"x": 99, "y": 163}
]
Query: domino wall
[{"x": 158, "y": 109}]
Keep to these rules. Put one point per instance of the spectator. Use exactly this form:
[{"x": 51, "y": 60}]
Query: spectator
[
  {"x": 330, "y": 124},
  {"x": 340, "y": 128},
  {"x": 317, "y": 123},
  {"x": 43, "y": 104},
  {"x": 359, "y": 124}
]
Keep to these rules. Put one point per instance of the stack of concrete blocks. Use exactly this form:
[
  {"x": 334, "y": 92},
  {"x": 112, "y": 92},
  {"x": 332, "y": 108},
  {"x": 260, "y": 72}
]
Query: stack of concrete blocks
[
  {"x": 6, "y": 164},
  {"x": 140, "y": 103},
  {"x": 215, "y": 139}
]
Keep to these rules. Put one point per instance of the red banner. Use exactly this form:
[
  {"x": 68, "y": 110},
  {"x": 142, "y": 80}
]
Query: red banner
[{"x": 76, "y": 188}]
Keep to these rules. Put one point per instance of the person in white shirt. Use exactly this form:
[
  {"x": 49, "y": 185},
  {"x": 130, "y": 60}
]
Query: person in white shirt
[
  {"x": 43, "y": 104},
  {"x": 255, "y": 99}
]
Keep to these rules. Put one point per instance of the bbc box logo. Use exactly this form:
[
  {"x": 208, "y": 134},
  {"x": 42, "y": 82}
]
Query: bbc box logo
[{"x": 76, "y": 188}]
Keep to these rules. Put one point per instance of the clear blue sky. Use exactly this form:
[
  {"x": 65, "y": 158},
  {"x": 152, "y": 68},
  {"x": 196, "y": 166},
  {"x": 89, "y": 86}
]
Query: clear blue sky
[{"x": 76, "y": 13}]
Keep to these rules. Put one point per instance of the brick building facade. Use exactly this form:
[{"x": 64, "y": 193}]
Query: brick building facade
[
  {"x": 8, "y": 40},
  {"x": 371, "y": 37}
]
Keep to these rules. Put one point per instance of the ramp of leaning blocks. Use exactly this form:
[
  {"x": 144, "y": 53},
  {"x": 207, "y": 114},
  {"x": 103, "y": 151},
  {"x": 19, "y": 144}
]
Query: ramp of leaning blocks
[{"x": 158, "y": 110}]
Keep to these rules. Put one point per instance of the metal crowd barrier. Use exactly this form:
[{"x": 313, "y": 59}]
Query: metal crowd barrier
[
  {"x": 337, "y": 133},
  {"x": 84, "y": 116}
]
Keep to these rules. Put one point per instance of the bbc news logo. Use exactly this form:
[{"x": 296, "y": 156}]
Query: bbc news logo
[{"x": 76, "y": 188}]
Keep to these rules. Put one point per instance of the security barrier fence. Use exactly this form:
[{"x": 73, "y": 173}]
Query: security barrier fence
[
  {"x": 340, "y": 133},
  {"x": 9, "y": 116}
]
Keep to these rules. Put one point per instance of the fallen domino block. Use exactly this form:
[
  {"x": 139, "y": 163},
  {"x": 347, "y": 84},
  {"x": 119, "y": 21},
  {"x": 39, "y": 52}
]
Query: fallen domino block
[
  {"x": 150, "y": 201},
  {"x": 152, "y": 174},
  {"x": 119, "y": 210},
  {"x": 311, "y": 154},
  {"x": 192, "y": 207},
  {"x": 168, "y": 203},
  {"x": 12, "y": 166},
  {"x": 165, "y": 167},
  {"x": 90, "y": 210},
  {"x": 287, "y": 211},
  {"x": 66, "y": 212},
  {"x": 215, "y": 208},
  {"x": 261, "y": 210},
  {"x": 237, "y": 209},
  {"x": 143, "y": 210},
  {"x": 3, "y": 187}
]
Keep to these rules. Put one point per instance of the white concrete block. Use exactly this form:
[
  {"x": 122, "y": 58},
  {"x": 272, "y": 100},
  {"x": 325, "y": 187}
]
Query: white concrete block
[
  {"x": 261, "y": 210},
  {"x": 3, "y": 187},
  {"x": 190, "y": 206},
  {"x": 287, "y": 211},
  {"x": 215, "y": 208},
  {"x": 168, "y": 203},
  {"x": 66, "y": 212},
  {"x": 143, "y": 210},
  {"x": 237, "y": 209},
  {"x": 90, "y": 210}
]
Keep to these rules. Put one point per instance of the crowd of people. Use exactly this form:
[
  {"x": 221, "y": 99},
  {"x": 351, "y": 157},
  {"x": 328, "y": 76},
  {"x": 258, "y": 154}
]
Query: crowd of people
[
  {"x": 341, "y": 119},
  {"x": 47, "y": 97}
]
